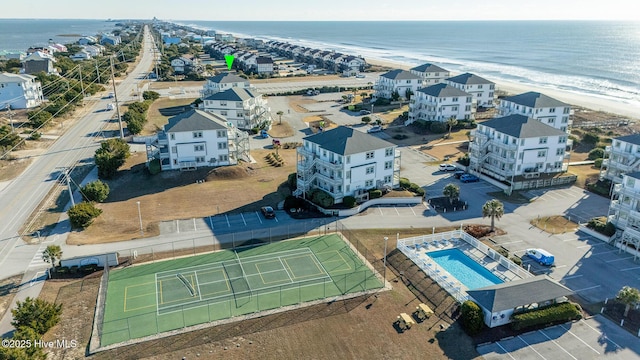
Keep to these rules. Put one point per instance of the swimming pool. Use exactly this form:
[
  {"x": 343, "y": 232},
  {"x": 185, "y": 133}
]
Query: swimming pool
[{"x": 464, "y": 269}]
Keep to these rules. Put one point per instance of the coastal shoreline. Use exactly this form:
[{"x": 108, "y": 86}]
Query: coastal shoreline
[{"x": 591, "y": 102}]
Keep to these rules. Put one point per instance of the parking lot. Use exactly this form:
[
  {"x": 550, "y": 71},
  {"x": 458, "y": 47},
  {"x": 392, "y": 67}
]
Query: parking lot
[{"x": 593, "y": 338}]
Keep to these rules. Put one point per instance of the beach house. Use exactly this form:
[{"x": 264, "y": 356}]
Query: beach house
[
  {"x": 481, "y": 88},
  {"x": 87, "y": 40},
  {"x": 196, "y": 138},
  {"x": 264, "y": 65},
  {"x": 516, "y": 148},
  {"x": 224, "y": 81},
  {"x": 440, "y": 102},
  {"x": 244, "y": 108},
  {"x": 621, "y": 157},
  {"x": 400, "y": 82},
  {"x": 19, "y": 91},
  {"x": 624, "y": 211},
  {"x": 110, "y": 40},
  {"x": 346, "y": 162},
  {"x": 39, "y": 61},
  {"x": 80, "y": 55},
  {"x": 184, "y": 63},
  {"x": 538, "y": 106},
  {"x": 431, "y": 74}
]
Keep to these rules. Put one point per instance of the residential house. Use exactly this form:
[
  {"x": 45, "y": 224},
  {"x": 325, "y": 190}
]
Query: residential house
[
  {"x": 396, "y": 81},
  {"x": 87, "y": 40},
  {"x": 346, "y": 162},
  {"x": 499, "y": 302},
  {"x": 43, "y": 49},
  {"x": 37, "y": 62},
  {"x": 439, "y": 102},
  {"x": 352, "y": 65},
  {"x": 196, "y": 138},
  {"x": 481, "y": 88},
  {"x": 169, "y": 40},
  {"x": 110, "y": 40},
  {"x": 93, "y": 50},
  {"x": 224, "y": 81},
  {"x": 80, "y": 55},
  {"x": 431, "y": 74},
  {"x": 264, "y": 65},
  {"x": 184, "y": 63},
  {"x": 59, "y": 47},
  {"x": 18, "y": 55},
  {"x": 538, "y": 106},
  {"x": 624, "y": 212},
  {"x": 621, "y": 157},
  {"x": 515, "y": 147},
  {"x": 242, "y": 107},
  {"x": 19, "y": 91}
]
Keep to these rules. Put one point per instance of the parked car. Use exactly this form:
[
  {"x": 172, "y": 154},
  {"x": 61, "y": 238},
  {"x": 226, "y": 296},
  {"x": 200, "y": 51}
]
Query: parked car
[
  {"x": 375, "y": 129},
  {"x": 268, "y": 212},
  {"x": 110, "y": 106},
  {"x": 447, "y": 167},
  {"x": 541, "y": 256},
  {"x": 466, "y": 178},
  {"x": 365, "y": 112},
  {"x": 458, "y": 173},
  {"x": 264, "y": 134},
  {"x": 360, "y": 76}
]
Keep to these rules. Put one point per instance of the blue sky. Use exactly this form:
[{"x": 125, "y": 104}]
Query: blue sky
[{"x": 324, "y": 9}]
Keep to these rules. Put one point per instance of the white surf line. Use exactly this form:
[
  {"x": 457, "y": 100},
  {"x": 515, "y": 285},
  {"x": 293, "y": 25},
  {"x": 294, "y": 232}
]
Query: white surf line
[
  {"x": 589, "y": 288},
  {"x": 505, "y": 351},
  {"x": 579, "y": 338},
  {"x": 558, "y": 345},
  {"x": 530, "y": 347},
  {"x": 602, "y": 333}
]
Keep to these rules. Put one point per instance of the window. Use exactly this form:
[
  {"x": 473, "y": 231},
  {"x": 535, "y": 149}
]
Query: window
[
  {"x": 348, "y": 159},
  {"x": 543, "y": 140},
  {"x": 174, "y": 149},
  {"x": 565, "y": 119},
  {"x": 369, "y": 170},
  {"x": 521, "y": 142},
  {"x": 222, "y": 133},
  {"x": 521, "y": 156},
  {"x": 172, "y": 136},
  {"x": 479, "y": 86},
  {"x": 542, "y": 153},
  {"x": 197, "y": 134},
  {"x": 223, "y": 103},
  {"x": 388, "y": 165},
  {"x": 552, "y": 110},
  {"x": 566, "y": 110},
  {"x": 387, "y": 179},
  {"x": 455, "y": 99},
  {"x": 550, "y": 120},
  {"x": 388, "y": 152},
  {"x": 198, "y": 147},
  {"x": 467, "y": 108},
  {"x": 368, "y": 183},
  {"x": 199, "y": 159},
  {"x": 348, "y": 174},
  {"x": 222, "y": 145},
  {"x": 469, "y": 99},
  {"x": 370, "y": 155},
  {"x": 223, "y": 158},
  {"x": 562, "y": 140},
  {"x": 223, "y": 113}
]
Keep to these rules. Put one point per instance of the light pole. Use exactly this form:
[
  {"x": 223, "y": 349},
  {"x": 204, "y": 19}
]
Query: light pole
[
  {"x": 384, "y": 274},
  {"x": 140, "y": 218}
]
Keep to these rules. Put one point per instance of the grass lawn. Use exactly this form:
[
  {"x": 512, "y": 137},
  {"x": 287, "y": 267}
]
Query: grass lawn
[
  {"x": 556, "y": 224},
  {"x": 515, "y": 198},
  {"x": 585, "y": 173}
]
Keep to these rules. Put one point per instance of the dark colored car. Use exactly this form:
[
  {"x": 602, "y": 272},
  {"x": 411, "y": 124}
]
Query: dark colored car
[
  {"x": 469, "y": 178},
  {"x": 458, "y": 173},
  {"x": 268, "y": 212}
]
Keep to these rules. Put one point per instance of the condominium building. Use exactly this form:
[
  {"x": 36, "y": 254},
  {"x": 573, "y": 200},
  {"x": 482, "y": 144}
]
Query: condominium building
[
  {"x": 397, "y": 81},
  {"x": 621, "y": 157},
  {"x": 242, "y": 107},
  {"x": 19, "y": 91},
  {"x": 431, "y": 74},
  {"x": 480, "y": 88},
  {"x": 224, "y": 81},
  {"x": 440, "y": 102},
  {"x": 540, "y": 107},
  {"x": 624, "y": 211}
]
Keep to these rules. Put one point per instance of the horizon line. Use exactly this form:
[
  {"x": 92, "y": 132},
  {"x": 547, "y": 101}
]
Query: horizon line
[{"x": 327, "y": 20}]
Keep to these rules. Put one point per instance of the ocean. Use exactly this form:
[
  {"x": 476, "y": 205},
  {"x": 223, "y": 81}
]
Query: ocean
[
  {"x": 20, "y": 34},
  {"x": 600, "y": 58}
]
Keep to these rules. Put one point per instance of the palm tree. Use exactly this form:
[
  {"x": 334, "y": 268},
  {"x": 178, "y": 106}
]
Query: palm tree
[
  {"x": 452, "y": 191},
  {"x": 494, "y": 209},
  {"x": 280, "y": 113},
  {"x": 451, "y": 122},
  {"x": 52, "y": 254},
  {"x": 628, "y": 296}
]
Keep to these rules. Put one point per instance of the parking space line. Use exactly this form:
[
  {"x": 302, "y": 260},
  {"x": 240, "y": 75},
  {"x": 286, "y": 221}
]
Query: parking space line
[
  {"x": 530, "y": 347},
  {"x": 511, "y": 242},
  {"x": 571, "y": 277},
  {"x": 414, "y": 213},
  {"x": 227, "y": 217},
  {"x": 589, "y": 288},
  {"x": 258, "y": 215},
  {"x": 396, "y": 209},
  {"x": 243, "y": 220},
  {"x": 211, "y": 222},
  {"x": 505, "y": 350},
  {"x": 178, "y": 226},
  {"x": 275, "y": 218},
  {"x": 195, "y": 227},
  {"x": 593, "y": 245},
  {"x": 602, "y": 334},
  {"x": 605, "y": 252},
  {"x": 631, "y": 268},
  {"x": 379, "y": 209},
  {"x": 582, "y": 341},
  {"x": 625, "y": 258},
  {"x": 558, "y": 345}
]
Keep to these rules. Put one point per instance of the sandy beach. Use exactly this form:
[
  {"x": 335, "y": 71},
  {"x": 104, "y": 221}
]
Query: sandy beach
[{"x": 586, "y": 101}]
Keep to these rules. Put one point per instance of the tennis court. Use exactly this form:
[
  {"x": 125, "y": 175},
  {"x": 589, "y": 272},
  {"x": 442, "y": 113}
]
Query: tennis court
[{"x": 154, "y": 298}]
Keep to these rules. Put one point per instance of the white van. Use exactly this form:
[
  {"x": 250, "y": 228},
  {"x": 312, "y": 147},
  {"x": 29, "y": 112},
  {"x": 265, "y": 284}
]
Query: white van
[{"x": 541, "y": 256}]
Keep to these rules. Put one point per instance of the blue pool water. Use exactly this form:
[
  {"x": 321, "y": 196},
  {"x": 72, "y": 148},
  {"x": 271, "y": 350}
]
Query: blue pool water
[{"x": 464, "y": 269}]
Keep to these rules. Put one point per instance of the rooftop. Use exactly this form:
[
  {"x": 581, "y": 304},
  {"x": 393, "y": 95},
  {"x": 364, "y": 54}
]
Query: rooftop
[
  {"x": 443, "y": 90},
  {"x": 233, "y": 94},
  {"x": 520, "y": 126},
  {"x": 469, "y": 79},
  {"x": 227, "y": 78},
  {"x": 398, "y": 74},
  {"x": 535, "y": 100},
  {"x": 429, "y": 68},
  {"x": 193, "y": 120},
  {"x": 633, "y": 139},
  {"x": 347, "y": 141}
]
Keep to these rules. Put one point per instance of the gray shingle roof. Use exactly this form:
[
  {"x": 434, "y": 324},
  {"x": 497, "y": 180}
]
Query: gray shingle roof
[
  {"x": 193, "y": 120},
  {"x": 520, "y": 126},
  {"x": 429, "y": 68},
  {"x": 347, "y": 141},
  {"x": 633, "y": 139},
  {"x": 400, "y": 75},
  {"x": 510, "y": 295},
  {"x": 469, "y": 79},
  {"x": 233, "y": 94},
  {"x": 227, "y": 78},
  {"x": 534, "y": 99},
  {"x": 443, "y": 90}
]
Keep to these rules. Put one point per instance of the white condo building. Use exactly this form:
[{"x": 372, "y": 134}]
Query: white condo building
[
  {"x": 516, "y": 147},
  {"x": 538, "y": 106},
  {"x": 624, "y": 211},
  {"x": 440, "y": 102},
  {"x": 396, "y": 81},
  {"x": 431, "y": 74},
  {"x": 621, "y": 157},
  {"x": 224, "y": 81},
  {"x": 481, "y": 88},
  {"x": 19, "y": 91},
  {"x": 346, "y": 162},
  {"x": 242, "y": 107}
]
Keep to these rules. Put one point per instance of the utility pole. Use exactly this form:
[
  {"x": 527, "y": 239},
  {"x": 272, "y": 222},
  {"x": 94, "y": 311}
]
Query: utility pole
[
  {"x": 10, "y": 115},
  {"x": 67, "y": 176},
  {"x": 115, "y": 95},
  {"x": 81, "y": 84},
  {"x": 98, "y": 72},
  {"x": 384, "y": 276}
]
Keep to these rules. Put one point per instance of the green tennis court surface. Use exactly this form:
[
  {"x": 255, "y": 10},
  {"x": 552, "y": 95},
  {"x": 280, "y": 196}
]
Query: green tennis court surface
[{"x": 154, "y": 298}]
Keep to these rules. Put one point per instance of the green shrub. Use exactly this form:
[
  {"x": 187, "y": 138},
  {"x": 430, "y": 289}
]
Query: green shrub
[
  {"x": 150, "y": 95},
  {"x": 400, "y": 136},
  {"x": 375, "y": 193},
  {"x": 292, "y": 181},
  {"x": 420, "y": 191},
  {"x": 471, "y": 316},
  {"x": 321, "y": 198},
  {"x": 404, "y": 183},
  {"x": 590, "y": 138},
  {"x": 349, "y": 201},
  {"x": 596, "y": 153},
  {"x": 601, "y": 225},
  {"x": 438, "y": 127},
  {"x": 516, "y": 260},
  {"x": 97, "y": 191},
  {"x": 464, "y": 160},
  {"x": 36, "y": 314},
  {"x": 597, "y": 163},
  {"x": 416, "y": 189},
  {"x": 81, "y": 215},
  {"x": 155, "y": 167},
  {"x": 561, "y": 312},
  {"x": 62, "y": 269},
  {"x": 504, "y": 252},
  {"x": 35, "y": 136}
]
